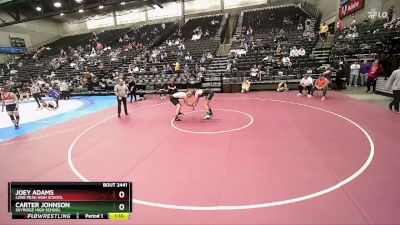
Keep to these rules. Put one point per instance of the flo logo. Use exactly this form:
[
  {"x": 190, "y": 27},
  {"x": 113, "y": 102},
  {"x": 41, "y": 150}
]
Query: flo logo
[{"x": 375, "y": 14}]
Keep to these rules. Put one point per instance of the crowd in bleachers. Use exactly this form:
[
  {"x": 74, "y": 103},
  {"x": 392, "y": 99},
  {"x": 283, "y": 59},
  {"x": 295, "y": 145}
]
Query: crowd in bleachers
[
  {"x": 271, "y": 43},
  {"x": 95, "y": 62}
]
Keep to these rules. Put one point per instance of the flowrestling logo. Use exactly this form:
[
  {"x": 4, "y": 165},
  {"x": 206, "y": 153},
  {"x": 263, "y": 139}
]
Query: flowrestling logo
[
  {"x": 375, "y": 14},
  {"x": 350, "y": 7}
]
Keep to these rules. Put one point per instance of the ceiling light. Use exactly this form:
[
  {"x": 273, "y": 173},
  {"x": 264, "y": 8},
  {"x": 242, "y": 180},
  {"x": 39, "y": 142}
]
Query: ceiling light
[
  {"x": 79, "y": 1},
  {"x": 81, "y": 10},
  {"x": 38, "y": 9},
  {"x": 101, "y": 7},
  {"x": 62, "y": 14},
  {"x": 122, "y": 3},
  {"x": 57, "y": 4}
]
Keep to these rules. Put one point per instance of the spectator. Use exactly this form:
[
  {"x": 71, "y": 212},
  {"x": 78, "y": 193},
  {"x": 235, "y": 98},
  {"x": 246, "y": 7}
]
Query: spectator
[
  {"x": 282, "y": 87},
  {"x": 323, "y": 31},
  {"x": 177, "y": 66},
  {"x": 306, "y": 83},
  {"x": 390, "y": 14},
  {"x": 394, "y": 84},
  {"x": 354, "y": 73},
  {"x": 373, "y": 73},
  {"x": 364, "y": 69},
  {"x": 339, "y": 76},
  {"x": 300, "y": 26},
  {"x": 132, "y": 88},
  {"x": 353, "y": 22},
  {"x": 89, "y": 81},
  {"x": 64, "y": 90},
  {"x": 321, "y": 84},
  {"x": 294, "y": 52},
  {"x": 286, "y": 61},
  {"x": 245, "y": 86},
  {"x": 339, "y": 25},
  {"x": 254, "y": 72},
  {"x": 302, "y": 52},
  {"x": 36, "y": 92}
]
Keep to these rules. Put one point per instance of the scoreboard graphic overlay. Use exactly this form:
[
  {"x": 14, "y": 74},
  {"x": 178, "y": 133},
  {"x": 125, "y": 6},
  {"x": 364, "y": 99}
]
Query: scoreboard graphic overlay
[{"x": 70, "y": 200}]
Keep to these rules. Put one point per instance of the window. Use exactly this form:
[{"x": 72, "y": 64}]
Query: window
[
  {"x": 100, "y": 22},
  {"x": 132, "y": 16},
  {"x": 198, "y": 6},
  {"x": 229, "y": 4},
  {"x": 171, "y": 9}
]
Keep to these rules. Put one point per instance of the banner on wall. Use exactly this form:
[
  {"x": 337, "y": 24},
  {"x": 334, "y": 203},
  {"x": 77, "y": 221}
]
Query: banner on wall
[
  {"x": 12, "y": 50},
  {"x": 350, "y": 7}
]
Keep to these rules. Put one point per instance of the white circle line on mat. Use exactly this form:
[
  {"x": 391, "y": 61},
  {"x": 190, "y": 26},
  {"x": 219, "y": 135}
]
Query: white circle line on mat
[
  {"x": 247, "y": 206},
  {"x": 219, "y": 131}
]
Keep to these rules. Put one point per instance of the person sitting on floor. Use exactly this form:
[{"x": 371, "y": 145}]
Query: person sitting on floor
[
  {"x": 245, "y": 86},
  {"x": 321, "y": 84},
  {"x": 282, "y": 87}
]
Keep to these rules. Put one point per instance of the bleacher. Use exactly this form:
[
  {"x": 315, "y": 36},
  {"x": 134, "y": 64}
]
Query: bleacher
[
  {"x": 196, "y": 49},
  {"x": 266, "y": 24}
]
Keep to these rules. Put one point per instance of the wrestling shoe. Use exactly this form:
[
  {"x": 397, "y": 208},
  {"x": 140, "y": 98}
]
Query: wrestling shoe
[{"x": 206, "y": 117}]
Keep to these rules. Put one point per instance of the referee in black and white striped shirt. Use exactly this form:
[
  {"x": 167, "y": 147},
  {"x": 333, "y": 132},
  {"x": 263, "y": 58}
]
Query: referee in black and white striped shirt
[{"x": 121, "y": 91}]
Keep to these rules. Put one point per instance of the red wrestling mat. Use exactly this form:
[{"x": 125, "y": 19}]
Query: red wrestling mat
[{"x": 264, "y": 158}]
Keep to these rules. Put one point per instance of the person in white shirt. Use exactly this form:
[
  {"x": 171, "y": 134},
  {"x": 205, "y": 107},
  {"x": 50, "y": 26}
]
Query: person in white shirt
[
  {"x": 64, "y": 90},
  {"x": 121, "y": 91},
  {"x": 305, "y": 83},
  {"x": 254, "y": 73},
  {"x": 354, "y": 73},
  {"x": 286, "y": 61},
  {"x": 175, "y": 99},
  {"x": 13, "y": 72},
  {"x": 294, "y": 52},
  {"x": 302, "y": 52}
]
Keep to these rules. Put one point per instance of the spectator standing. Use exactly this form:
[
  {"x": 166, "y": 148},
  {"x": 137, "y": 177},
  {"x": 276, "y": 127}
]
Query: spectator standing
[
  {"x": 339, "y": 76},
  {"x": 394, "y": 84},
  {"x": 323, "y": 31},
  {"x": 339, "y": 25},
  {"x": 35, "y": 90},
  {"x": 354, "y": 73},
  {"x": 373, "y": 73},
  {"x": 64, "y": 90},
  {"x": 364, "y": 69},
  {"x": 132, "y": 89},
  {"x": 89, "y": 81},
  {"x": 121, "y": 91}
]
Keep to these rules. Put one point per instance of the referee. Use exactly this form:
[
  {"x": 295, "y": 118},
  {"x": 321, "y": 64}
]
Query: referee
[{"x": 121, "y": 91}]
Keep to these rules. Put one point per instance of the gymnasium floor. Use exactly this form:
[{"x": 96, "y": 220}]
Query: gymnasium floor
[{"x": 264, "y": 158}]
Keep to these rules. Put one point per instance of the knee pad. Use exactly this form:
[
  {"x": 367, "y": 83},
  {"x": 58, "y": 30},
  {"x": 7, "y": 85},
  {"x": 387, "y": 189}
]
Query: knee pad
[{"x": 12, "y": 117}]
